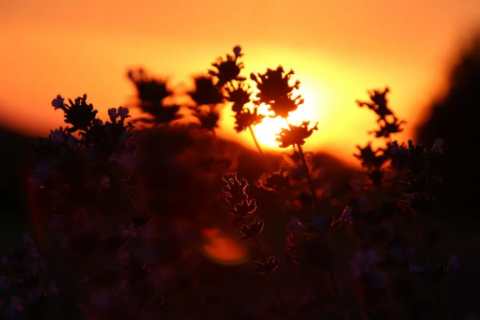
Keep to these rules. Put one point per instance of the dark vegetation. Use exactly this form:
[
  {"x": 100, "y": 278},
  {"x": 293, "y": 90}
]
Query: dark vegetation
[{"x": 123, "y": 209}]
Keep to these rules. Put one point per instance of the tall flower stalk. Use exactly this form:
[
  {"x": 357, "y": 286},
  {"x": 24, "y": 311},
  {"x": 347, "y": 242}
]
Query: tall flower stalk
[
  {"x": 242, "y": 207},
  {"x": 295, "y": 136},
  {"x": 411, "y": 164}
]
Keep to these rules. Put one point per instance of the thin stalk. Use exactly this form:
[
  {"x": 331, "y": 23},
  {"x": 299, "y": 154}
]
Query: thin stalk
[
  {"x": 310, "y": 182},
  {"x": 312, "y": 190},
  {"x": 255, "y": 140},
  {"x": 270, "y": 277},
  {"x": 288, "y": 125},
  {"x": 270, "y": 169}
]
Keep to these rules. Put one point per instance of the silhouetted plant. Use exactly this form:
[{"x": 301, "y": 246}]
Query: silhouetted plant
[
  {"x": 134, "y": 207},
  {"x": 151, "y": 93},
  {"x": 24, "y": 292},
  {"x": 295, "y": 135},
  {"x": 229, "y": 69},
  {"x": 275, "y": 91},
  {"x": 206, "y": 97},
  {"x": 239, "y": 95},
  {"x": 246, "y": 119},
  {"x": 408, "y": 168},
  {"x": 79, "y": 114},
  {"x": 241, "y": 205}
]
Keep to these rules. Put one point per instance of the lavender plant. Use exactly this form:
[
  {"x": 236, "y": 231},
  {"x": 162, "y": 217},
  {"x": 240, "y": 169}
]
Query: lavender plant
[
  {"x": 242, "y": 206},
  {"x": 133, "y": 205},
  {"x": 25, "y": 292}
]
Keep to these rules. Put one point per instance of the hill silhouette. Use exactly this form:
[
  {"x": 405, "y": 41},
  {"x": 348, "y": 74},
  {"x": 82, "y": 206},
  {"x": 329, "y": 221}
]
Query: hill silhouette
[{"x": 455, "y": 118}]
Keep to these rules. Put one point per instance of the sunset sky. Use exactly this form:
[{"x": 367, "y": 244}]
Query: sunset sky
[{"x": 339, "y": 49}]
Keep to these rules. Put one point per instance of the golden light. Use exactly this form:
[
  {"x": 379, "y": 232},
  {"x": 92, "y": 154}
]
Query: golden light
[
  {"x": 223, "y": 249},
  {"x": 314, "y": 109}
]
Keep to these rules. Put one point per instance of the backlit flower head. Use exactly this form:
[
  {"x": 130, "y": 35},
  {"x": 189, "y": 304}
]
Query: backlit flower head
[
  {"x": 239, "y": 95},
  {"x": 276, "y": 91},
  {"x": 149, "y": 89},
  {"x": 152, "y": 92},
  {"x": 208, "y": 118},
  {"x": 79, "y": 114},
  {"x": 236, "y": 195},
  {"x": 295, "y": 135},
  {"x": 371, "y": 158},
  {"x": 247, "y": 118},
  {"x": 205, "y": 93},
  {"x": 378, "y": 103},
  {"x": 252, "y": 228},
  {"x": 388, "y": 127},
  {"x": 228, "y": 69}
]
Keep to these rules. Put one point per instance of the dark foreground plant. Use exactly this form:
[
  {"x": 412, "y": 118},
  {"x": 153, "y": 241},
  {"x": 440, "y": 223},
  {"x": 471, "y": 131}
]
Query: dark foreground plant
[
  {"x": 405, "y": 170},
  {"x": 241, "y": 206},
  {"x": 139, "y": 209},
  {"x": 24, "y": 291}
]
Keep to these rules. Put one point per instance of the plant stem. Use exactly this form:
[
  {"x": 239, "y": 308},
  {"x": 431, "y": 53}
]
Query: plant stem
[
  {"x": 270, "y": 277},
  {"x": 255, "y": 140},
  {"x": 270, "y": 169},
  {"x": 312, "y": 190}
]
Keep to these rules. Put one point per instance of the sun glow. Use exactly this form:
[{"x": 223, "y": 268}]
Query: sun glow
[{"x": 314, "y": 109}]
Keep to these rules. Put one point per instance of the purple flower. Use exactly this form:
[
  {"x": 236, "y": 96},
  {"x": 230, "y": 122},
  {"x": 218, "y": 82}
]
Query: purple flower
[
  {"x": 79, "y": 114},
  {"x": 237, "y": 50},
  {"x": 123, "y": 113},
  {"x": 112, "y": 113},
  {"x": 58, "y": 136},
  {"x": 437, "y": 146},
  {"x": 58, "y": 102}
]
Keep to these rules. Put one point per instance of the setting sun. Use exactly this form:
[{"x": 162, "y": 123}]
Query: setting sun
[{"x": 314, "y": 109}]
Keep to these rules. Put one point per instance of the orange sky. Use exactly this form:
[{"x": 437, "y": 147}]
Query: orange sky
[{"x": 338, "y": 48}]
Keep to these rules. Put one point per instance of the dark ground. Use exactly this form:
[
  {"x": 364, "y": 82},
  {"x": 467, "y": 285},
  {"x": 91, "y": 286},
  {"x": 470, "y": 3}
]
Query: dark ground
[{"x": 454, "y": 118}]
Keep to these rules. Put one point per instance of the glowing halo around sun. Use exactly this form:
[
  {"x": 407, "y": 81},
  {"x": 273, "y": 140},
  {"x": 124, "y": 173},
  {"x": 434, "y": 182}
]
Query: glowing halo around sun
[{"x": 314, "y": 109}]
